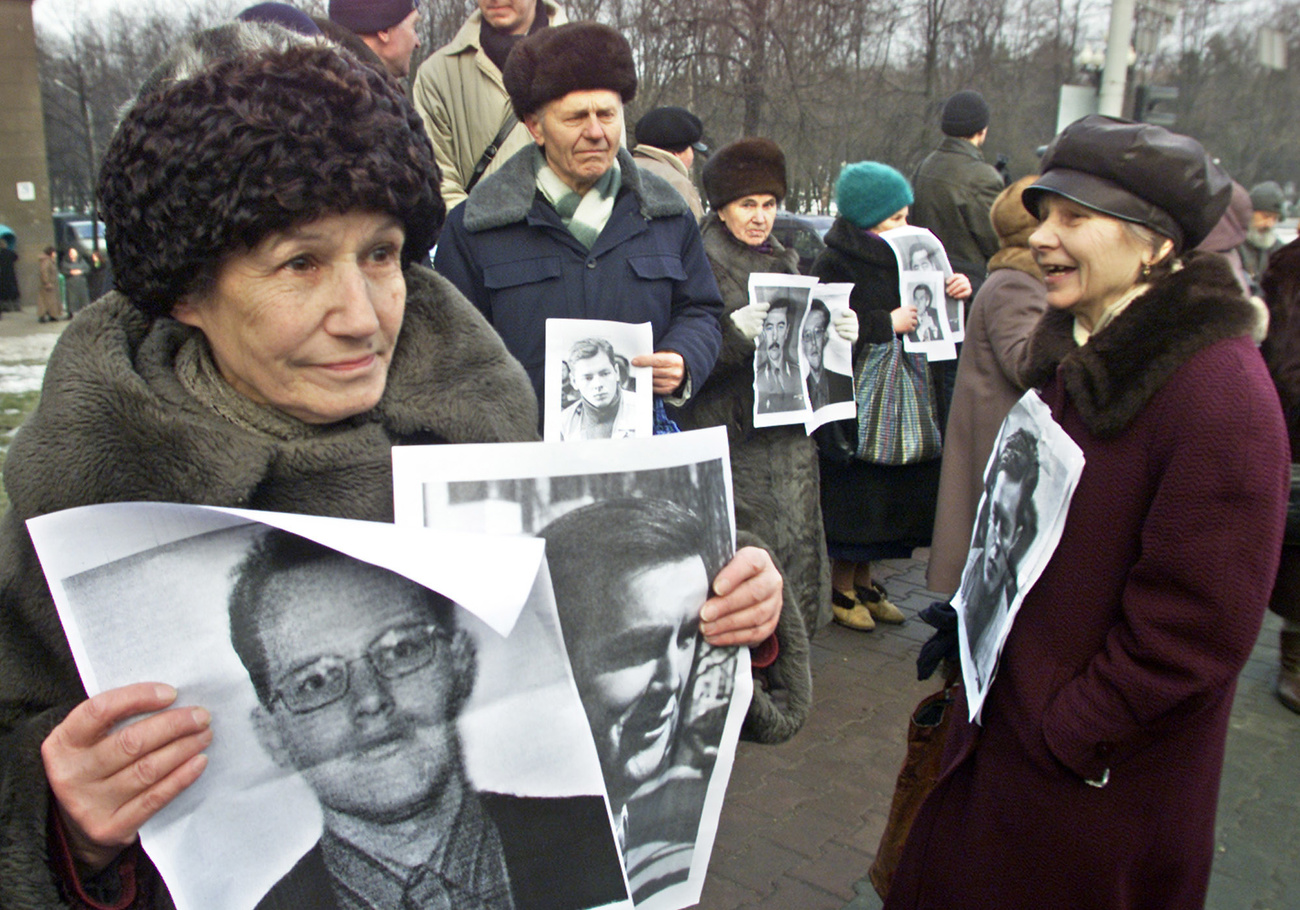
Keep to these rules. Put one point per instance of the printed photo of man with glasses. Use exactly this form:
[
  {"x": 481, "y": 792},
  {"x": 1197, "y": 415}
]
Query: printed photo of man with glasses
[{"x": 360, "y": 676}]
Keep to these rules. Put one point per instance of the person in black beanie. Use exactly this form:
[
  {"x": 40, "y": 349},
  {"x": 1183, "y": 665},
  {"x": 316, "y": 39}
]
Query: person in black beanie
[
  {"x": 386, "y": 26},
  {"x": 955, "y": 187},
  {"x": 462, "y": 100}
]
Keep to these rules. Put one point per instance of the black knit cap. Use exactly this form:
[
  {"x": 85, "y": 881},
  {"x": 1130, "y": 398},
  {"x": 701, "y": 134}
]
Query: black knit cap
[
  {"x": 366, "y": 17},
  {"x": 671, "y": 128},
  {"x": 578, "y": 56},
  {"x": 1135, "y": 172},
  {"x": 964, "y": 114},
  {"x": 746, "y": 167},
  {"x": 212, "y": 163}
]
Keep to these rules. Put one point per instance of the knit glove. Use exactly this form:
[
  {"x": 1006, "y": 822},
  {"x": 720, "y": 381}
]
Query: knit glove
[
  {"x": 749, "y": 319},
  {"x": 846, "y": 325}
]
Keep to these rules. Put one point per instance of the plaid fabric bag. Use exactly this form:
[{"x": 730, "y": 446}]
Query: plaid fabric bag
[{"x": 896, "y": 407}]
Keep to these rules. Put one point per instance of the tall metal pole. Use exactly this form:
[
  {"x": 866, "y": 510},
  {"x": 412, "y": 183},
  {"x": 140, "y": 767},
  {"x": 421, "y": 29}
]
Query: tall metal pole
[{"x": 1115, "y": 74}]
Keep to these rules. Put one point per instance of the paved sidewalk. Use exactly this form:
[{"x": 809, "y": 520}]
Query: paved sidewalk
[{"x": 802, "y": 820}]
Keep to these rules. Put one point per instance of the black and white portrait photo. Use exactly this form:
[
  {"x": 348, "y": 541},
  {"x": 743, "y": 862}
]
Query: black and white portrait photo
[
  {"x": 631, "y": 552},
  {"x": 387, "y": 724},
  {"x": 923, "y": 255},
  {"x": 922, "y": 292},
  {"x": 827, "y": 358},
  {"x": 1028, "y": 482},
  {"x": 778, "y": 376},
  {"x": 923, "y": 270},
  {"x": 592, "y": 389}
]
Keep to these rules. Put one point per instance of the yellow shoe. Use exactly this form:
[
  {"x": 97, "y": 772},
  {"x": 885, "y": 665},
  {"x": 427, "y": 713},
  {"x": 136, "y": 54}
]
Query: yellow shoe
[
  {"x": 878, "y": 603},
  {"x": 846, "y": 611}
]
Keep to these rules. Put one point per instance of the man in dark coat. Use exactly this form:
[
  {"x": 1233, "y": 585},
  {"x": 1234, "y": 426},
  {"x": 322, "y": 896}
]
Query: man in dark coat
[
  {"x": 572, "y": 228},
  {"x": 363, "y": 701},
  {"x": 955, "y": 188}
]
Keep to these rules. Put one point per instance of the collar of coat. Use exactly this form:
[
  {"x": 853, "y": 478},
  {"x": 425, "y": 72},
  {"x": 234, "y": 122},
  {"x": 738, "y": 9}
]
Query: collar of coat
[
  {"x": 853, "y": 241},
  {"x": 507, "y": 196},
  {"x": 960, "y": 147},
  {"x": 1112, "y": 377}
]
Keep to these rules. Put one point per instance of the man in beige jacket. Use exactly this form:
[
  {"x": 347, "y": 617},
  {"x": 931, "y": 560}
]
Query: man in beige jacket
[
  {"x": 667, "y": 139},
  {"x": 461, "y": 98}
]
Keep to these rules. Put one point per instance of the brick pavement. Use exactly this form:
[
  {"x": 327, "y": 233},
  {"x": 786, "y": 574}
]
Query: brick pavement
[{"x": 801, "y": 821}]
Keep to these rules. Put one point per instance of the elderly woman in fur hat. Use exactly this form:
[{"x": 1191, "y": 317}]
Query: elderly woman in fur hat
[
  {"x": 773, "y": 469},
  {"x": 1092, "y": 777},
  {"x": 273, "y": 336},
  {"x": 872, "y": 511}
]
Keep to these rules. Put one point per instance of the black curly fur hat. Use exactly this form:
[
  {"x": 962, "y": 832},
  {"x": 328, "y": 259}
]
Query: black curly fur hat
[
  {"x": 579, "y": 56},
  {"x": 259, "y": 142},
  {"x": 746, "y": 167}
]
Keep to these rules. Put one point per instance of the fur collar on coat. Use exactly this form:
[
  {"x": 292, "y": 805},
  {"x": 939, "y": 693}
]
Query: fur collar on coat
[
  {"x": 1113, "y": 376},
  {"x": 507, "y": 196}
]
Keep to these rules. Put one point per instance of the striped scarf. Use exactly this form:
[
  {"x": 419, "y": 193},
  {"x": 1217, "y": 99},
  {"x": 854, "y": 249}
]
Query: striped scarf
[{"x": 584, "y": 214}]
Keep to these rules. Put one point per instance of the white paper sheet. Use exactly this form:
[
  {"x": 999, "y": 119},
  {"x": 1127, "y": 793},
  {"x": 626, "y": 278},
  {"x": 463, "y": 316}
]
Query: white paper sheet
[
  {"x": 526, "y": 488},
  {"x": 577, "y": 388},
  {"x": 923, "y": 270},
  {"x": 836, "y": 385},
  {"x": 1018, "y": 534},
  {"x": 142, "y": 590}
]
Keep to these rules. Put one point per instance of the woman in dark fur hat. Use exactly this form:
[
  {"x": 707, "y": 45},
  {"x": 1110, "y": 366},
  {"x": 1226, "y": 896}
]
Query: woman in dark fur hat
[
  {"x": 1092, "y": 778},
  {"x": 269, "y": 206},
  {"x": 773, "y": 469}
]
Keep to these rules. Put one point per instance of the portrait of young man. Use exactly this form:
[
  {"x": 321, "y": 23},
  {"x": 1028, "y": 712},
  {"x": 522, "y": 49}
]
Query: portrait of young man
[
  {"x": 602, "y": 410},
  {"x": 629, "y": 577},
  {"x": 1007, "y": 525}
]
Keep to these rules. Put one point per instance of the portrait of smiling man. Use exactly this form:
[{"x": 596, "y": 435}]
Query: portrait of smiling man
[
  {"x": 361, "y": 675},
  {"x": 630, "y": 576}
]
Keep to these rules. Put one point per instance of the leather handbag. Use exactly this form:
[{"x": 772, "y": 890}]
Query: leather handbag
[
  {"x": 897, "y": 407},
  {"x": 927, "y": 731}
]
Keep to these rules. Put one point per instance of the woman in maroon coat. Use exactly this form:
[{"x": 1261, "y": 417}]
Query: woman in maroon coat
[{"x": 1093, "y": 779}]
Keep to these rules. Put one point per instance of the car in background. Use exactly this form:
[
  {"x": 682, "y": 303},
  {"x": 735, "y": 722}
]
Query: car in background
[
  {"x": 803, "y": 234},
  {"x": 75, "y": 229}
]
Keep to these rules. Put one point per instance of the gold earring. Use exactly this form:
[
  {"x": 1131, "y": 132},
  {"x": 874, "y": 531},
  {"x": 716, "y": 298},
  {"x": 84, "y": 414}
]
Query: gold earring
[{"x": 1146, "y": 271}]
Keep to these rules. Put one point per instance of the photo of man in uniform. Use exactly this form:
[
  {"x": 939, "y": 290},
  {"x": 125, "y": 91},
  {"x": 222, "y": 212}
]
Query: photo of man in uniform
[
  {"x": 602, "y": 411},
  {"x": 1008, "y": 524},
  {"x": 360, "y": 676},
  {"x": 777, "y": 382},
  {"x": 630, "y": 576}
]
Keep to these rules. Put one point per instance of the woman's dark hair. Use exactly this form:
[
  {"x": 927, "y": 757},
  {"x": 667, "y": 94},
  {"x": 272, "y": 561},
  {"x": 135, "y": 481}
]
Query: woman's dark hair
[{"x": 260, "y": 142}]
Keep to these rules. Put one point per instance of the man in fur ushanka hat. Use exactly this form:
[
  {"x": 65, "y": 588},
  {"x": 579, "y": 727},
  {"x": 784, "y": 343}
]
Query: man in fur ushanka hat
[{"x": 570, "y": 227}]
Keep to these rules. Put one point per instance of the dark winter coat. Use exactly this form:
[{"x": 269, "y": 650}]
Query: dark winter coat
[
  {"x": 886, "y": 509},
  {"x": 507, "y": 250},
  {"x": 9, "y": 293},
  {"x": 955, "y": 188},
  {"x": 1123, "y": 660},
  {"x": 115, "y": 424},
  {"x": 1004, "y": 313},
  {"x": 774, "y": 469},
  {"x": 1281, "y": 350}
]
